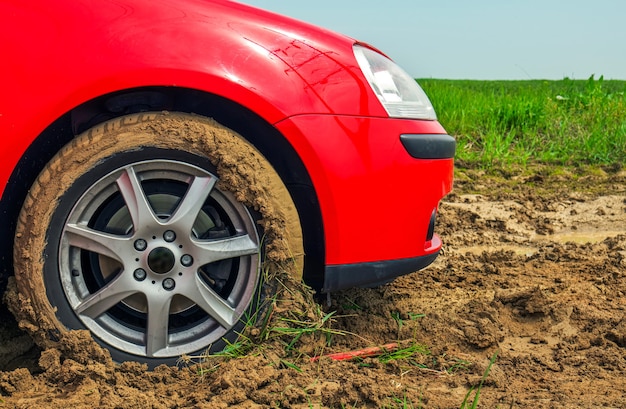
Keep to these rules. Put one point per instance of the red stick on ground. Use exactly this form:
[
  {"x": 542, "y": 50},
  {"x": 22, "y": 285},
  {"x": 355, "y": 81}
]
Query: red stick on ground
[{"x": 360, "y": 353}]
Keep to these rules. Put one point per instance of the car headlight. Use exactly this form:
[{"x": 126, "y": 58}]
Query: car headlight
[{"x": 399, "y": 94}]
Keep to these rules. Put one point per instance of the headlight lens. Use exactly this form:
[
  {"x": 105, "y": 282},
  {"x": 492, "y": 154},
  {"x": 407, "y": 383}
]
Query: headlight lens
[{"x": 400, "y": 94}]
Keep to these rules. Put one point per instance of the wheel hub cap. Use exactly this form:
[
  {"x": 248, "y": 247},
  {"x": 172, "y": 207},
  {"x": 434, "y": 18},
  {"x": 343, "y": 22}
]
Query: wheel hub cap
[{"x": 161, "y": 260}]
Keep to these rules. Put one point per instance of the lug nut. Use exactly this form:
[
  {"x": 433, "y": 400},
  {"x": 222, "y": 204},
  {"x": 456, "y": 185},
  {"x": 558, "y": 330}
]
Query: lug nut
[
  {"x": 169, "y": 284},
  {"x": 141, "y": 244},
  {"x": 186, "y": 260},
  {"x": 169, "y": 236},
  {"x": 140, "y": 274}
]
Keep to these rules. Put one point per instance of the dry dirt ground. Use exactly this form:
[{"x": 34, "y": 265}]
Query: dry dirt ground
[{"x": 533, "y": 274}]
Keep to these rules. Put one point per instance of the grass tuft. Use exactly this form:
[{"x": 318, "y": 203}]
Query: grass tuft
[
  {"x": 294, "y": 329},
  {"x": 407, "y": 353},
  {"x": 474, "y": 403}
]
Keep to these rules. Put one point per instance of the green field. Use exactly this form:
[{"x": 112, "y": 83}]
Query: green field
[{"x": 565, "y": 122}]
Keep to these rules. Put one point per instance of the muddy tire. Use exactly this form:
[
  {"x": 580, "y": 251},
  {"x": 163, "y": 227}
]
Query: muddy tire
[{"x": 153, "y": 231}]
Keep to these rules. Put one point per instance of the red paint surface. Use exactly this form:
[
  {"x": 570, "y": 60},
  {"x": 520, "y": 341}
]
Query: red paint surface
[{"x": 376, "y": 200}]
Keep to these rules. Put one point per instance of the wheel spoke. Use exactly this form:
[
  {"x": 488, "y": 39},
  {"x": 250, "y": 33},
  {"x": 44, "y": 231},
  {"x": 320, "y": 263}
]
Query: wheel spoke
[
  {"x": 101, "y": 301},
  {"x": 109, "y": 245},
  {"x": 209, "y": 301},
  {"x": 141, "y": 212},
  {"x": 209, "y": 251},
  {"x": 158, "y": 320},
  {"x": 187, "y": 211}
]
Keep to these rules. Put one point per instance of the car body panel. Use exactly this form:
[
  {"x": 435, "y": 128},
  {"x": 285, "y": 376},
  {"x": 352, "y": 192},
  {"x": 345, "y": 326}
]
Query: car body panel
[{"x": 375, "y": 199}]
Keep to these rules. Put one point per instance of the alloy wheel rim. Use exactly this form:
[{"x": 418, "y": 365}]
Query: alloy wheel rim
[{"x": 156, "y": 261}]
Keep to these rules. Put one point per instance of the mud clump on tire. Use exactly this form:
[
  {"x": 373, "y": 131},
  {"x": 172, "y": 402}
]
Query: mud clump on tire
[{"x": 244, "y": 172}]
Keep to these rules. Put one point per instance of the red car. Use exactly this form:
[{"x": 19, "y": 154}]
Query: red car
[{"x": 155, "y": 154}]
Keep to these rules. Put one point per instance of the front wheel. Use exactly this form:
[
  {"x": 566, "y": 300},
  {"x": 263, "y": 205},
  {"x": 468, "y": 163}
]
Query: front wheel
[{"x": 130, "y": 234}]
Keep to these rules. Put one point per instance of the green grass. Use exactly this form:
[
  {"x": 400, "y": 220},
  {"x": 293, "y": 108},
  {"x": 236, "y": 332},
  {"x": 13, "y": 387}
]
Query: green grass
[
  {"x": 402, "y": 402},
  {"x": 407, "y": 354},
  {"x": 294, "y": 329},
  {"x": 473, "y": 404},
  {"x": 565, "y": 122}
]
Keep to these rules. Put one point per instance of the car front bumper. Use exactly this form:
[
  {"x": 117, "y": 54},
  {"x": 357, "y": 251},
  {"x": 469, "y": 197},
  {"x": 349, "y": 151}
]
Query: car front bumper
[{"x": 379, "y": 182}]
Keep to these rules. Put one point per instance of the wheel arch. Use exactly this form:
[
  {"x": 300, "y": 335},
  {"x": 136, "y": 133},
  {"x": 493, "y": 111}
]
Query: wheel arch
[{"x": 269, "y": 141}]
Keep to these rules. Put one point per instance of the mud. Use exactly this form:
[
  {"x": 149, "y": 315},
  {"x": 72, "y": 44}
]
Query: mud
[{"x": 533, "y": 273}]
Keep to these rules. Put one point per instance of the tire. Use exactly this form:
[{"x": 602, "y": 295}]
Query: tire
[{"x": 129, "y": 233}]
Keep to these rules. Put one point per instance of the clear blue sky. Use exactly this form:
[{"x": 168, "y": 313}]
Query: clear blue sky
[{"x": 480, "y": 39}]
